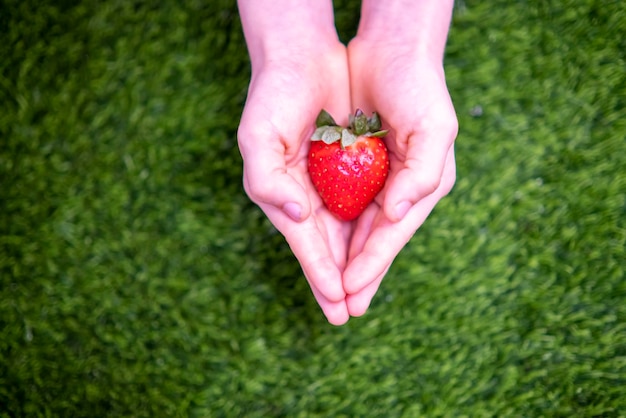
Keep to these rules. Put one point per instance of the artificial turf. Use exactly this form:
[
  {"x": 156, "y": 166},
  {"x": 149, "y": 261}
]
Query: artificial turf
[{"x": 137, "y": 279}]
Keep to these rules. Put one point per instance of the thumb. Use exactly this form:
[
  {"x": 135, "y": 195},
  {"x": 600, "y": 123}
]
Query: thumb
[
  {"x": 422, "y": 172},
  {"x": 267, "y": 180}
]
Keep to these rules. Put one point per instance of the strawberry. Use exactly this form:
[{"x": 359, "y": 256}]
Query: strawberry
[{"x": 348, "y": 165}]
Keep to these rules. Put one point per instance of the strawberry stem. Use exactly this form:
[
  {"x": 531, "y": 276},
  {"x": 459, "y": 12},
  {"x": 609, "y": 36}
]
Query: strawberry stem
[
  {"x": 324, "y": 119},
  {"x": 360, "y": 125},
  {"x": 373, "y": 123}
]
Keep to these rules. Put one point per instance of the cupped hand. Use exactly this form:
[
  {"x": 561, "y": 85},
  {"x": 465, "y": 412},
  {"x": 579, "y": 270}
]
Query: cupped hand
[
  {"x": 409, "y": 92},
  {"x": 285, "y": 96}
]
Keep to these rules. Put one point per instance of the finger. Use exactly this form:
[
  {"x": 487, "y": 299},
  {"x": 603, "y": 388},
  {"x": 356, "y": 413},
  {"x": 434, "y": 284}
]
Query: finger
[
  {"x": 310, "y": 247},
  {"x": 383, "y": 244},
  {"x": 336, "y": 312},
  {"x": 358, "y": 303},
  {"x": 362, "y": 229},
  {"x": 388, "y": 238},
  {"x": 337, "y": 235},
  {"x": 422, "y": 172}
]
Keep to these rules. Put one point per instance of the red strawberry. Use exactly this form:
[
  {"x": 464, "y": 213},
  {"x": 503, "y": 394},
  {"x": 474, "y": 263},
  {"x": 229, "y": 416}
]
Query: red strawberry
[{"x": 348, "y": 166}]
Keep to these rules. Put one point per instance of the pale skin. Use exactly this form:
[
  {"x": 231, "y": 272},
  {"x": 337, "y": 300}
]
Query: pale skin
[{"x": 299, "y": 67}]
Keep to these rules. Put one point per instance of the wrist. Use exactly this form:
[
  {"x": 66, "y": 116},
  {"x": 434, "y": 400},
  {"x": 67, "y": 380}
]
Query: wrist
[
  {"x": 420, "y": 26},
  {"x": 277, "y": 30}
]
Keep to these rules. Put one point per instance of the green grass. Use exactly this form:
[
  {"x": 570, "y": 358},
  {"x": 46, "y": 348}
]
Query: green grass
[{"x": 136, "y": 278}]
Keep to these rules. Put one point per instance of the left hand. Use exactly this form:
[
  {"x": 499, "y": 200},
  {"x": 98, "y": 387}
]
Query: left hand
[{"x": 409, "y": 92}]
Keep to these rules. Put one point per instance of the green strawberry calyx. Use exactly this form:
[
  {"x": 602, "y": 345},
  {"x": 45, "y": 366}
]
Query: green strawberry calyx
[{"x": 328, "y": 131}]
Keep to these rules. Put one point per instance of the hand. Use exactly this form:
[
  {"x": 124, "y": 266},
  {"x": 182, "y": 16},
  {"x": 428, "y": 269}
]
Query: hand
[
  {"x": 291, "y": 82},
  {"x": 407, "y": 88},
  {"x": 301, "y": 68}
]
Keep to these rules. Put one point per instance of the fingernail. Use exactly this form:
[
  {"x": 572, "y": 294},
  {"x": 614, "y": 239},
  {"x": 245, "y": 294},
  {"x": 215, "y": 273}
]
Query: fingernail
[
  {"x": 294, "y": 211},
  {"x": 402, "y": 209}
]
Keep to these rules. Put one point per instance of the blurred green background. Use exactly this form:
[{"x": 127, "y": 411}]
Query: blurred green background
[{"x": 137, "y": 279}]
